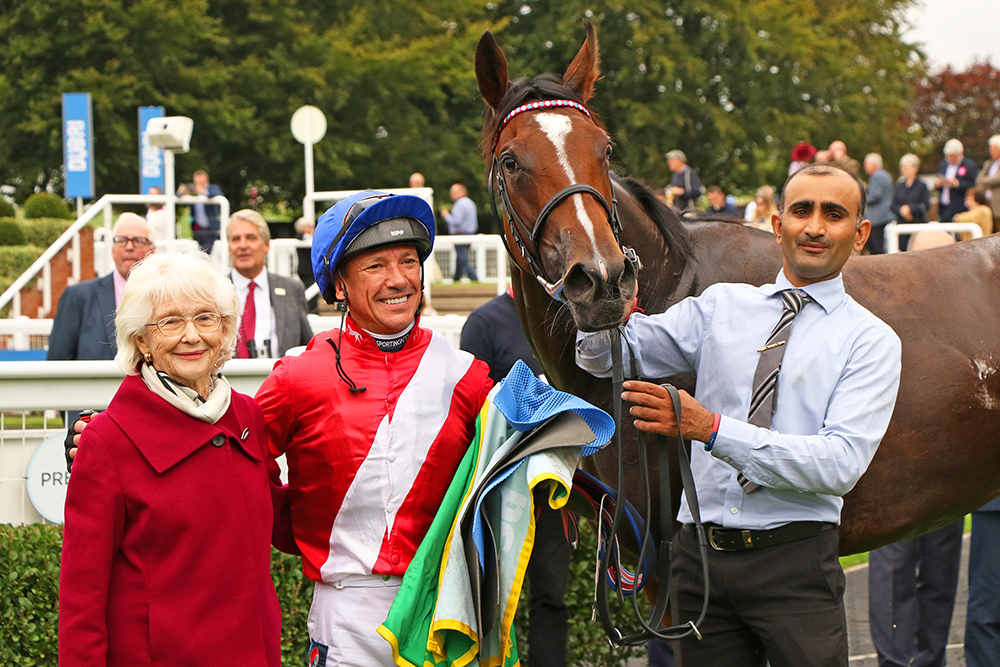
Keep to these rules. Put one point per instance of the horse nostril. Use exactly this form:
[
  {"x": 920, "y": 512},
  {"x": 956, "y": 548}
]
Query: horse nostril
[{"x": 580, "y": 284}]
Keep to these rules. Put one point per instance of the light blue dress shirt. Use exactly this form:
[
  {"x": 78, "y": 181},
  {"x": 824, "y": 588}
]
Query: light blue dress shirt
[
  {"x": 836, "y": 392},
  {"x": 463, "y": 218}
]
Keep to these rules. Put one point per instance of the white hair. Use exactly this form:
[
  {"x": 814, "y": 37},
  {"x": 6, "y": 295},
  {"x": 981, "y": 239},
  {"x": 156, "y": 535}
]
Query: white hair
[
  {"x": 164, "y": 277},
  {"x": 129, "y": 217},
  {"x": 875, "y": 159},
  {"x": 953, "y": 147},
  {"x": 909, "y": 159},
  {"x": 994, "y": 141},
  {"x": 254, "y": 218}
]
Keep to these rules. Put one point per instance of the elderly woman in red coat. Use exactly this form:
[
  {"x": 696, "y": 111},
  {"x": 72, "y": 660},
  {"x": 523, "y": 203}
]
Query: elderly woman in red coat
[{"x": 166, "y": 550}]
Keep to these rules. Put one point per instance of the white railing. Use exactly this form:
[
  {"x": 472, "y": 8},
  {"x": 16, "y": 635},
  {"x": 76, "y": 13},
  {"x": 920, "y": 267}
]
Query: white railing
[
  {"x": 41, "y": 387},
  {"x": 102, "y": 256},
  {"x": 310, "y": 200},
  {"x": 894, "y": 230}
]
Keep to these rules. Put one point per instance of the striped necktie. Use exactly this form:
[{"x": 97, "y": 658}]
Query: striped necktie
[{"x": 763, "y": 399}]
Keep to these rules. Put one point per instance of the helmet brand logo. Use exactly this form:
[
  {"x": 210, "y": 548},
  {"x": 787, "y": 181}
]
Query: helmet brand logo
[{"x": 397, "y": 232}]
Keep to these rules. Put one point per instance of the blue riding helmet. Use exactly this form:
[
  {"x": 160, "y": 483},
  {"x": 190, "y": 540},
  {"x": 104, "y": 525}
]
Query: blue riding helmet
[{"x": 364, "y": 221}]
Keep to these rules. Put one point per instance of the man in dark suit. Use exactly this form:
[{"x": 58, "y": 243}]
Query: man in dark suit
[
  {"x": 84, "y": 326},
  {"x": 956, "y": 174},
  {"x": 204, "y": 217},
  {"x": 276, "y": 319}
]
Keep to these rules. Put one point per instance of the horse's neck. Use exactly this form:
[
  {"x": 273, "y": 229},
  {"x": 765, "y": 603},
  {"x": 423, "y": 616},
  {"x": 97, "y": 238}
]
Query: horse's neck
[{"x": 726, "y": 252}]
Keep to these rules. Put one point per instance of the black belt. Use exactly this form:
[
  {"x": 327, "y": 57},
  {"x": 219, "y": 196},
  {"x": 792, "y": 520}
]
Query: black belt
[{"x": 739, "y": 539}]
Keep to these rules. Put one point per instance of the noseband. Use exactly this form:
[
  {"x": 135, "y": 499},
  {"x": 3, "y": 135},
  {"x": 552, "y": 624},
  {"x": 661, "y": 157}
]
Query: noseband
[{"x": 520, "y": 230}]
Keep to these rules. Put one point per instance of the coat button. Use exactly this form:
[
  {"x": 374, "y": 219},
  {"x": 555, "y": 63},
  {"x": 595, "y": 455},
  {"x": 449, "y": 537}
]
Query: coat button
[{"x": 219, "y": 440}]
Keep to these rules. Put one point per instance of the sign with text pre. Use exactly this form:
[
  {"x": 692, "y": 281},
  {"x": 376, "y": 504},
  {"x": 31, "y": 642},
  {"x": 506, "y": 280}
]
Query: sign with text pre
[
  {"x": 150, "y": 157},
  {"x": 78, "y": 145}
]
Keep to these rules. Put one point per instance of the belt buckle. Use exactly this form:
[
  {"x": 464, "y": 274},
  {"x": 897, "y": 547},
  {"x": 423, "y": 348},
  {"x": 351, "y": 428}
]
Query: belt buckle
[
  {"x": 711, "y": 538},
  {"x": 745, "y": 535}
]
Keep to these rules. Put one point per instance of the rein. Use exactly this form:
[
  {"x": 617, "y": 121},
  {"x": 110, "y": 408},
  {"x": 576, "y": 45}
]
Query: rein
[
  {"x": 520, "y": 230},
  {"x": 611, "y": 560}
]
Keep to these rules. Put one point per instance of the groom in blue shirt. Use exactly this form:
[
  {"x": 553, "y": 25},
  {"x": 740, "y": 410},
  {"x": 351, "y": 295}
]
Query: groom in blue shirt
[{"x": 770, "y": 481}]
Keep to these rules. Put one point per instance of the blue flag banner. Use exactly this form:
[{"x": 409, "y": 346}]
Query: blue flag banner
[
  {"x": 150, "y": 157},
  {"x": 78, "y": 145}
]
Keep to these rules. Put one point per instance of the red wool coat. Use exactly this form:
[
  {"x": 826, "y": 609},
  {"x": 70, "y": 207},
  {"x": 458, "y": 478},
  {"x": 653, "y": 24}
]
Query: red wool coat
[{"x": 166, "y": 549}]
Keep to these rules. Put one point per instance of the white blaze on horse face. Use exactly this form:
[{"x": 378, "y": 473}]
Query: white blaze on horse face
[{"x": 556, "y": 127}]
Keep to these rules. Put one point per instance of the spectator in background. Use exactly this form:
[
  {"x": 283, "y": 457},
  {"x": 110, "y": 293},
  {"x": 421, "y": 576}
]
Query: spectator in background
[
  {"x": 463, "y": 219},
  {"x": 274, "y": 307},
  {"x": 978, "y": 212},
  {"x": 910, "y": 200},
  {"x": 717, "y": 204},
  {"x": 759, "y": 212},
  {"x": 685, "y": 186},
  {"x": 982, "y": 620},
  {"x": 822, "y": 157},
  {"x": 492, "y": 333},
  {"x": 956, "y": 174},
  {"x": 158, "y": 218},
  {"x": 880, "y": 191},
  {"x": 416, "y": 180},
  {"x": 989, "y": 177},
  {"x": 205, "y": 224},
  {"x": 840, "y": 158},
  {"x": 802, "y": 154},
  {"x": 84, "y": 326}
]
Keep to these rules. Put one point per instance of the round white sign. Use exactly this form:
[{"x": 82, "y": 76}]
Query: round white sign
[
  {"x": 47, "y": 478},
  {"x": 308, "y": 125}
]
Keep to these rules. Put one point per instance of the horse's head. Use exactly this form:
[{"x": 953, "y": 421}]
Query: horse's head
[{"x": 549, "y": 167}]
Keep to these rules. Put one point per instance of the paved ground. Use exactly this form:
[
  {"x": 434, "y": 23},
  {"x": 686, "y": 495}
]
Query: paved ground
[{"x": 859, "y": 636}]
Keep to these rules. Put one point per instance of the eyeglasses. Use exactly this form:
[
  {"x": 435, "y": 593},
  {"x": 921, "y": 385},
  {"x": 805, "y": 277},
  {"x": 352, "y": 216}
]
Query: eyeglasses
[
  {"x": 175, "y": 324},
  {"x": 137, "y": 241}
]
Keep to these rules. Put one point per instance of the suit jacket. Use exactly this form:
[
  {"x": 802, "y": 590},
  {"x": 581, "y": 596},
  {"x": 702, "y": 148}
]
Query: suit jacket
[
  {"x": 966, "y": 175},
  {"x": 880, "y": 191},
  {"x": 167, "y": 544},
  {"x": 84, "y": 326},
  {"x": 288, "y": 300},
  {"x": 991, "y": 183}
]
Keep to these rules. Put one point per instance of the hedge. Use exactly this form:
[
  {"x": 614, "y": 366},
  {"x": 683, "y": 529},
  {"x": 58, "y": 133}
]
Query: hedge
[
  {"x": 16, "y": 259},
  {"x": 6, "y": 209},
  {"x": 47, "y": 205},
  {"x": 29, "y": 602},
  {"x": 43, "y": 232},
  {"x": 10, "y": 233}
]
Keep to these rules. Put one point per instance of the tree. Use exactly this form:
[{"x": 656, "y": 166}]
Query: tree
[
  {"x": 951, "y": 104},
  {"x": 734, "y": 84}
]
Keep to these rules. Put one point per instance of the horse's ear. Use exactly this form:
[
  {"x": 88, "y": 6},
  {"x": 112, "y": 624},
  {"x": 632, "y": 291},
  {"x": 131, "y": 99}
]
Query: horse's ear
[
  {"x": 586, "y": 67},
  {"x": 491, "y": 70}
]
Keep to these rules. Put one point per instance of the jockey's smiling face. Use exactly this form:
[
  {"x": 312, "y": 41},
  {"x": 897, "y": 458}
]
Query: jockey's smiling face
[{"x": 382, "y": 288}]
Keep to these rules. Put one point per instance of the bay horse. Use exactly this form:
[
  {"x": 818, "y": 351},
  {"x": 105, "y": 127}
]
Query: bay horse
[{"x": 940, "y": 457}]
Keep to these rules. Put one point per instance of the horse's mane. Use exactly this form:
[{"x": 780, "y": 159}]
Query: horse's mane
[
  {"x": 522, "y": 91},
  {"x": 669, "y": 223}
]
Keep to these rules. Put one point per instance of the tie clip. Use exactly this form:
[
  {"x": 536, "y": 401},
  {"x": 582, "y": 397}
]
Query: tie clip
[{"x": 771, "y": 346}]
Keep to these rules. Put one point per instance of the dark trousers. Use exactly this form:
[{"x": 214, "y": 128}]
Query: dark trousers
[
  {"x": 462, "y": 266},
  {"x": 548, "y": 571},
  {"x": 982, "y": 624},
  {"x": 911, "y": 597},
  {"x": 783, "y": 604},
  {"x": 876, "y": 240}
]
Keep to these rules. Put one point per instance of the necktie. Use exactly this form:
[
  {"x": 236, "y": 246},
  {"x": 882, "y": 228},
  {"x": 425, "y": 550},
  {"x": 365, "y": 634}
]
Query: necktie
[
  {"x": 765, "y": 379},
  {"x": 248, "y": 324}
]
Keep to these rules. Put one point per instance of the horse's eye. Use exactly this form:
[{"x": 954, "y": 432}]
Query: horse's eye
[
  {"x": 509, "y": 164},
  {"x": 608, "y": 152}
]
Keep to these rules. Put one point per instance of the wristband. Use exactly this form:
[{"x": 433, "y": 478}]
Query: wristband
[{"x": 715, "y": 432}]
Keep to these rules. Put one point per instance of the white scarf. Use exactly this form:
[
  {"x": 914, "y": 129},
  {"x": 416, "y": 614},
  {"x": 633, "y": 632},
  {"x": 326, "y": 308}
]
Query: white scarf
[{"x": 187, "y": 400}]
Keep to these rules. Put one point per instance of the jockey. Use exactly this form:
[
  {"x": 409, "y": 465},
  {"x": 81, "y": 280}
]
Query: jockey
[{"x": 374, "y": 423}]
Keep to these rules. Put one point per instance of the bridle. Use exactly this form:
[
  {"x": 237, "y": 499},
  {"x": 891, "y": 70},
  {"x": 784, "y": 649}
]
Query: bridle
[{"x": 520, "y": 230}]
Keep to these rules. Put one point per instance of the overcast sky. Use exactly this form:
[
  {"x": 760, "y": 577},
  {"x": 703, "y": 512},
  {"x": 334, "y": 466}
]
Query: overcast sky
[{"x": 955, "y": 32}]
